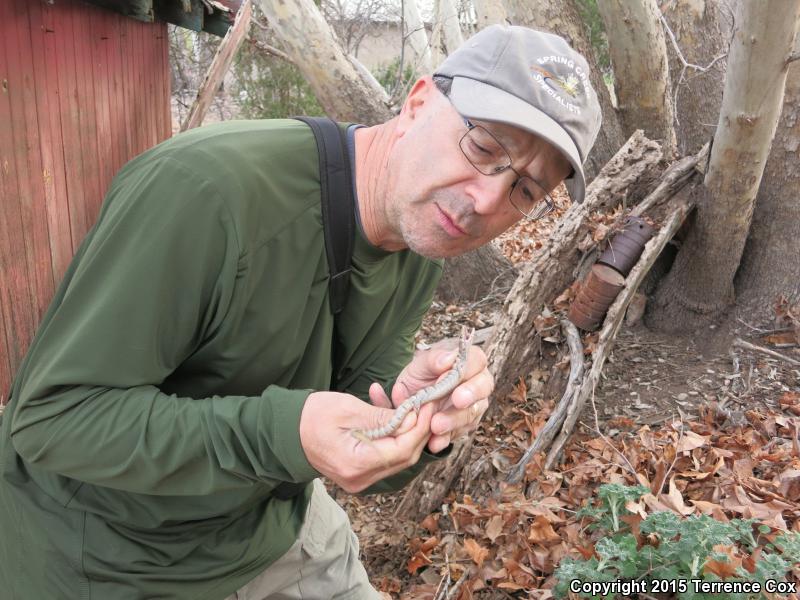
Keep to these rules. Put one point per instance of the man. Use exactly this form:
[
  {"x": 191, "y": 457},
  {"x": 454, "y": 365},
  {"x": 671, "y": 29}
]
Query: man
[{"x": 178, "y": 384}]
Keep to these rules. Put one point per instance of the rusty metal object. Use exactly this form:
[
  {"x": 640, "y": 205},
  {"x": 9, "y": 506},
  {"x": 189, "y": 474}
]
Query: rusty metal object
[
  {"x": 597, "y": 293},
  {"x": 626, "y": 247}
]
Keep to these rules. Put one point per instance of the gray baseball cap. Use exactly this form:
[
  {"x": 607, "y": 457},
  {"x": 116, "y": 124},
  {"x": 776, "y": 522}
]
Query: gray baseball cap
[{"x": 532, "y": 80}]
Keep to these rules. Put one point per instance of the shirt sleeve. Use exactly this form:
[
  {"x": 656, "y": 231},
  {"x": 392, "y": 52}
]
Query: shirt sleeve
[{"x": 153, "y": 278}]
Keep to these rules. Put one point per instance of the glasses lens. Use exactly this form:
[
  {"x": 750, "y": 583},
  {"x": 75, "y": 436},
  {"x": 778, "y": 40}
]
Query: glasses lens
[
  {"x": 531, "y": 199},
  {"x": 484, "y": 151}
]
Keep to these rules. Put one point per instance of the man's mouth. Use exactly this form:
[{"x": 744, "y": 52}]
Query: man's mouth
[{"x": 448, "y": 224}]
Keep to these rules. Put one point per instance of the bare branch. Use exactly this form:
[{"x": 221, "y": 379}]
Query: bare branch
[
  {"x": 748, "y": 346},
  {"x": 685, "y": 65}
]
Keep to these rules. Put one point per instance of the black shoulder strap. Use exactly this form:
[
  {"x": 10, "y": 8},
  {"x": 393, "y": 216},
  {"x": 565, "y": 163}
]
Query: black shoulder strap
[{"x": 338, "y": 210}]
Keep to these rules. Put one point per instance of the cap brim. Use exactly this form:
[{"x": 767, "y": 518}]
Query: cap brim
[{"x": 477, "y": 100}]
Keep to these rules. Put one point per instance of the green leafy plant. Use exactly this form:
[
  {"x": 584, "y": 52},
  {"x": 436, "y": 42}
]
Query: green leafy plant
[{"x": 674, "y": 549}]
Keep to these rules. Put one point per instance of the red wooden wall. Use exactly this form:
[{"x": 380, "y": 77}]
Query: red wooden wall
[{"x": 83, "y": 90}]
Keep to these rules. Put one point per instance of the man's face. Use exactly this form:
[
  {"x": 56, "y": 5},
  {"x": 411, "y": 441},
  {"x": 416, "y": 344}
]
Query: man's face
[{"x": 439, "y": 203}]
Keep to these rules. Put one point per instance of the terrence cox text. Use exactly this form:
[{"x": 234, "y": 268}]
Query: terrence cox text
[{"x": 677, "y": 586}]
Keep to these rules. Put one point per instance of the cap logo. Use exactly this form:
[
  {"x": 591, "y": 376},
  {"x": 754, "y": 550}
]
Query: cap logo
[{"x": 557, "y": 87}]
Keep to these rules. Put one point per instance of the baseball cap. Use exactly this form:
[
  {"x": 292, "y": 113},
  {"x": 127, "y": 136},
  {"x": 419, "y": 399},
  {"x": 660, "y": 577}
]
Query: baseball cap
[{"x": 532, "y": 80}]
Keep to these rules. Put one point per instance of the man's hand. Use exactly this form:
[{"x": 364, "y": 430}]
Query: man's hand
[
  {"x": 326, "y": 425},
  {"x": 455, "y": 415}
]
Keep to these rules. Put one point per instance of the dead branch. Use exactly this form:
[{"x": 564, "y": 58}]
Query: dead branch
[
  {"x": 748, "y": 346},
  {"x": 673, "y": 180},
  {"x": 553, "y": 425},
  {"x": 271, "y": 50},
  {"x": 219, "y": 66},
  {"x": 681, "y": 206}
]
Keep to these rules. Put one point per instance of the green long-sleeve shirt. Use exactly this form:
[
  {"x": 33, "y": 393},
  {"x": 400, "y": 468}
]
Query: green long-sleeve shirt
[{"x": 158, "y": 405}]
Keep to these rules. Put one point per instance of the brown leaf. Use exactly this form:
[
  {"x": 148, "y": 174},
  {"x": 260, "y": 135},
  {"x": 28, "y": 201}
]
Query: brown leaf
[
  {"x": 689, "y": 441},
  {"x": 542, "y": 532},
  {"x": 674, "y": 500},
  {"x": 431, "y": 522},
  {"x": 727, "y": 568},
  {"x": 416, "y": 562},
  {"x": 494, "y": 527},
  {"x": 429, "y": 544},
  {"x": 790, "y": 484},
  {"x": 476, "y": 552}
]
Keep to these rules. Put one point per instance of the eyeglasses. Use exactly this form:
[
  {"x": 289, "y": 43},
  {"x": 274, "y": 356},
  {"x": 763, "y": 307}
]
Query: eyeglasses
[{"x": 489, "y": 157}]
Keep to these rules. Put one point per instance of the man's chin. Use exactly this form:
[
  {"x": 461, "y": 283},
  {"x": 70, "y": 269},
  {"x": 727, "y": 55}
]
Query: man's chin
[{"x": 437, "y": 252}]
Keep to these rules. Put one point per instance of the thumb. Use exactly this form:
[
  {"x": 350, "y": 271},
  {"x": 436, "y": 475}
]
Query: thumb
[
  {"x": 434, "y": 363},
  {"x": 378, "y": 396}
]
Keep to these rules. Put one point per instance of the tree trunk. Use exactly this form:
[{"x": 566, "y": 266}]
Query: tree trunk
[
  {"x": 417, "y": 39},
  {"x": 700, "y": 285},
  {"x": 489, "y": 12},
  {"x": 641, "y": 71},
  {"x": 771, "y": 260},
  {"x": 702, "y": 30},
  {"x": 451, "y": 29},
  {"x": 562, "y": 17},
  {"x": 309, "y": 41},
  {"x": 477, "y": 274}
]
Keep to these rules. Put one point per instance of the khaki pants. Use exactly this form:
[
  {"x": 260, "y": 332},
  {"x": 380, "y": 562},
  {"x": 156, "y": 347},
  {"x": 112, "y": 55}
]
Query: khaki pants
[{"x": 323, "y": 562}]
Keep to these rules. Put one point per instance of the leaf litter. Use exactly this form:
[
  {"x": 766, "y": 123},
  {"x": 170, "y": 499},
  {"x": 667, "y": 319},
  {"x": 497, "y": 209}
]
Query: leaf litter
[{"x": 715, "y": 435}]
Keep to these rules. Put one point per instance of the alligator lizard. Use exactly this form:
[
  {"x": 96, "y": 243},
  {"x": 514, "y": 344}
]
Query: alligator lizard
[{"x": 440, "y": 389}]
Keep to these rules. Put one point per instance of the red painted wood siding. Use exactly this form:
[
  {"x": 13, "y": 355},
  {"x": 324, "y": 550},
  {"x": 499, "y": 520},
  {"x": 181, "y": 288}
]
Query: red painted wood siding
[{"x": 82, "y": 91}]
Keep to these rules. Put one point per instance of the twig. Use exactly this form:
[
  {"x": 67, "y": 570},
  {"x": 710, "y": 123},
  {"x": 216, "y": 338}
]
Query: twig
[
  {"x": 674, "y": 460},
  {"x": 553, "y": 425},
  {"x": 748, "y": 346},
  {"x": 608, "y": 442},
  {"x": 444, "y": 582},
  {"x": 453, "y": 593}
]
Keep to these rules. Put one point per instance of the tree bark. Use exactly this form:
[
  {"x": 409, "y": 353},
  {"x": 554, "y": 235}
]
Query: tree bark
[
  {"x": 771, "y": 260},
  {"x": 477, "y": 274},
  {"x": 416, "y": 37},
  {"x": 702, "y": 30},
  {"x": 562, "y": 17},
  {"x": 489, "y": 12},
  {"x": 309, "y": 41},
  {"x": 638, "y": 52},
  {"x": 451, "y": 29},
  {"x": 700, "y": 285}
]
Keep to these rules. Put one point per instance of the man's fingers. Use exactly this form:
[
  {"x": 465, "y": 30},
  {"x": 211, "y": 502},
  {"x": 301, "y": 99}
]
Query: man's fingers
[
  {"x": 456, "y": 420},
  {"x": 378, "y": 396},
  {"x": 480, "y": 385}
]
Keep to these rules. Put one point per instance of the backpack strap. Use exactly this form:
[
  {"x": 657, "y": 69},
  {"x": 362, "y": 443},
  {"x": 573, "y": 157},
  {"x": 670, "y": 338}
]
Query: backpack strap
[
  {"x": 338, "y": 205},
  {"x": 338, "y": 221}
]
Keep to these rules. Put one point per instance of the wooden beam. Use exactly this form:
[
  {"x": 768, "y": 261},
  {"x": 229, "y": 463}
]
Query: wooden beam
[{"x": 219, "y": 66}]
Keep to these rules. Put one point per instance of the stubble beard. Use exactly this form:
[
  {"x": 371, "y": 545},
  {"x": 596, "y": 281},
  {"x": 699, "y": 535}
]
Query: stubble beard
[{"x": 420, "y": 232}]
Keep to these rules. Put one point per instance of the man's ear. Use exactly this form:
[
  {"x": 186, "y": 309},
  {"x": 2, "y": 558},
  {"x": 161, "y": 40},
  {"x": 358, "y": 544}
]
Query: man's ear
[{"x": 418, "y": 97}]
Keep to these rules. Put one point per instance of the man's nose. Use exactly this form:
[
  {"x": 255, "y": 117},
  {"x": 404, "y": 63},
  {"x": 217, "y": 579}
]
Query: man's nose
[{"x": 490, "y": 192}]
